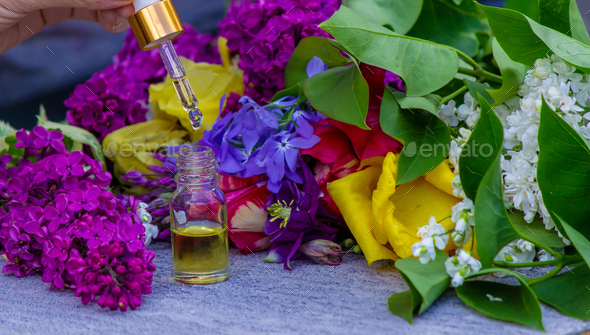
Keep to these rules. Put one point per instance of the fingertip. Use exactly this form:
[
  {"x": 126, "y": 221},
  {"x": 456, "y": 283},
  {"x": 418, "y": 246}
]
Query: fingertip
[
  {"x": 112, "y": 21},
  {"x": 126, "y": 11}
]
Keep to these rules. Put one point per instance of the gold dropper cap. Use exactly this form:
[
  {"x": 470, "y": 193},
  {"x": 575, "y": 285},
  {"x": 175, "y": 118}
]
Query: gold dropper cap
[{"x": 155, "y": 24}]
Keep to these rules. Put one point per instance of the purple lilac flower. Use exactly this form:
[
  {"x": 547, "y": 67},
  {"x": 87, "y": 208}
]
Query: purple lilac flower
[
  {"x": 297, "y": 217},
  {"x": 117, "y": 96},
  {"x": 265, "y": 34},
  {"x": 64, "y": 224}
]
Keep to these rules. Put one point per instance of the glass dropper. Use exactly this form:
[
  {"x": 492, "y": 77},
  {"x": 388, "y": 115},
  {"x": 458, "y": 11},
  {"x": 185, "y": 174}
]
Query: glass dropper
[
  {"x": 181, "y": 84},
  {"x": 155, "y": 24}
]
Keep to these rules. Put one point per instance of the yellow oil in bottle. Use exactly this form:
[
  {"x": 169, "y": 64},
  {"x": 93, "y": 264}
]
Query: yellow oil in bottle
[{"x": 200, "y": 252}]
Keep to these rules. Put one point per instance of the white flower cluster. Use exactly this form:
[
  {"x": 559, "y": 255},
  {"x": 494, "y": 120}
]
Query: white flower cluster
[
  {"x": 433, "y": 235},
  {"x": 460, "y": 266},
  {"x": 151, "y": 231},
  {"x": 464, "y": 221},
  {"x": 455, "y": 150},
  {"x": 566, "y": 92},
  {"x": 517, "y": 251},
  {"x": 468, "y": 112}
]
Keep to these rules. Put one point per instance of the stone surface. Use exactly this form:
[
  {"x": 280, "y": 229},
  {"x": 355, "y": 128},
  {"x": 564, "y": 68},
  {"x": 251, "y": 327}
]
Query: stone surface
[{"x": 259, "y": 298}]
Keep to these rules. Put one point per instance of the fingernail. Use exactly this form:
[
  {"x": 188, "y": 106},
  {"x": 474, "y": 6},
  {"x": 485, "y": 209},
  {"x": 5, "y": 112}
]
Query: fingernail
[{"x": 120, "y": 22}]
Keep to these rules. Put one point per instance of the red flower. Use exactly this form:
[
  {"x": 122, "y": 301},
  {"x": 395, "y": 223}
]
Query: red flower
[{"x": 247, "y": 215}]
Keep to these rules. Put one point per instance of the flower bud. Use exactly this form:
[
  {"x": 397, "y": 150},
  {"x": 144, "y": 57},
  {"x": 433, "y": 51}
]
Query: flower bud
[
  {"x": 322, "y": 251},
  {"x": 348, "y": 243}
]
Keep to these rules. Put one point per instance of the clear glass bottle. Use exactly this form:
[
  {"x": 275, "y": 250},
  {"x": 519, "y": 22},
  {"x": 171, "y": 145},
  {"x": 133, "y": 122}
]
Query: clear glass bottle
[{"x": 198, "y": 220}]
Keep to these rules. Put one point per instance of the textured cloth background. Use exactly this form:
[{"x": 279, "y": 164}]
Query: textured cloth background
[{"x": 259, "y": 298}]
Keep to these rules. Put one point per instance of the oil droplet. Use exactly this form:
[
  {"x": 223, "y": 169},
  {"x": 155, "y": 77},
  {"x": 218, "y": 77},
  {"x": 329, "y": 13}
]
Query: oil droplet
[{"x": 196, "y": 117}]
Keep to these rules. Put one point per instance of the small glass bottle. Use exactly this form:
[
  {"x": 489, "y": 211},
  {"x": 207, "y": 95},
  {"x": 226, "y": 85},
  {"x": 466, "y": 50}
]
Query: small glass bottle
[{"x": 198, "y": 220}]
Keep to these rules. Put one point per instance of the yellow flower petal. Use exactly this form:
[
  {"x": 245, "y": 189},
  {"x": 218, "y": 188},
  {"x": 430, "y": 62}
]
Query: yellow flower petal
[
  {"x": 381, "y": 204},
  {"x": 442, "y": 177},
  {"x": 131, "y": 148},
  {"x": 415, "y": 203},
  {"x": 383, "y": 216},
  {"x": 353, "y": 195}
]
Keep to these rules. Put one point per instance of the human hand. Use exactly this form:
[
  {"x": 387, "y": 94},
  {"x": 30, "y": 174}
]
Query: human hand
[{"x": 21, "y": 19}]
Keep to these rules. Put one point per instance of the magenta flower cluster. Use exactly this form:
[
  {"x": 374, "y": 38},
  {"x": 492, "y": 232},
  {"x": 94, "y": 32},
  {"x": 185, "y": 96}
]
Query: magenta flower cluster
[
  {"x": 117, "y": 96},
  {"x": 63, "y": 223},
  {"x": 265, "y": 34}
]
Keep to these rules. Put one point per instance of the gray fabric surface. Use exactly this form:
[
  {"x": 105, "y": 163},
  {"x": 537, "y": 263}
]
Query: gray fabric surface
[{"x": 259, "y": 298}]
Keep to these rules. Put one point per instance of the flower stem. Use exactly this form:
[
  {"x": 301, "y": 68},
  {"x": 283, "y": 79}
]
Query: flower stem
[
  {"x": 453, "y": 95},
  {"x": 441, "y": 220},
  {"x": 481, "y": 73},
  {"x": 525, "y": 265},
  {"x": 468, "y": 60},
  {"x": 547, "y": 276},
  {"x": 567, "y": 259}
]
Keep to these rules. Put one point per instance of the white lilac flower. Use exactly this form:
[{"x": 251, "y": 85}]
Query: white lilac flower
[
  {"x": 542, "y": 68},
  {"x": 525, "y": 246},
  {"x": 460, "y": 266},
  {"x": 447, "y": 114},
  {"x": 464, "y": 220},
  {"x": 458, "y": 187},
  {"x": 424, "y": 250},
  {"x": 433, "y": 235},
  {"x": 456, "y": 148},
  {"x": 143, "y": 214},
  {"x": 518, "y": 251},
  {"x": 544, "y": 256},
  {"x": 151, "y": 232},
  {"x": 431, "y": 229}
]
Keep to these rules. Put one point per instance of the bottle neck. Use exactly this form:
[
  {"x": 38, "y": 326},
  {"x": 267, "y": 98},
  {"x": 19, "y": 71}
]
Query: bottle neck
[{"x": 196, "y": 168}]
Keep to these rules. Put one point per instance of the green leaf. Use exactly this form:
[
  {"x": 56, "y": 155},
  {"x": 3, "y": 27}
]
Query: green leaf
[
  {"x": 430, "y": 280},
  {"x": 579, "y": 241},
  {"x": 12, "y": 150},
  {"x": 296, "y": 70},
  {"x": 519, "y": 304},
  {"x": 77, "y": 134},
  {"x": 511, "y": 81},
  {"x": 42, "y": 117},
  {"x": 535, "y": 230},
  {"x": 563, "y": 171},
  {"x": 424, "y": 135},
  {"x": 564, "y": 16},
  {"x": 449, "y": 24},
  {"x": 529, "y": 8},
  {"x": 570, "y": 50},
  {"x": 555, "y": 14},
  {"x": 399, "y": 14},
  {"x": 404, "y": 303},
  {"x": 579, "y": 31},
  {"x": 5, "y": 131},
  {"x": 534, "y": 41},
  {"x": 567, "y": 292},
  {"x": 476, "y": 89},
  {"x": 424, "y": 66},
  {"x": 341, "y": 94},
  {"x": 524, "y": 47},
  {"x": 481, "y": 150},
  {"x": 293, "y": 91},
  {"x": 513, "y": 74},
  {"x": 493, "y": 229},
  {"x": 429, "y": 102}
]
